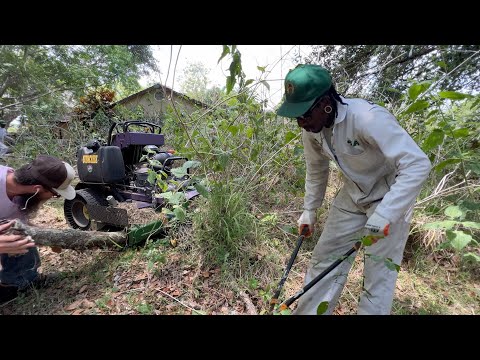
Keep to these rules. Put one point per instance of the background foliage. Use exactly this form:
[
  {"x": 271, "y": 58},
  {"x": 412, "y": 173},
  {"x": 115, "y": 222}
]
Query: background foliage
[{"x": 252, "y": 160}]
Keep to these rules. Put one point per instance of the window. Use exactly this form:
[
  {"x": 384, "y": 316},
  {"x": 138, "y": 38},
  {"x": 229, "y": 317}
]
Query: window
[{"x": 158, "y": 95}]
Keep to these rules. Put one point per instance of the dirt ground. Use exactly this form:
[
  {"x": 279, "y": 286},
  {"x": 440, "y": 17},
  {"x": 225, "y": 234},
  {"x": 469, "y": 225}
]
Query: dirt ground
[
  {"x": 148, "y": 280},
  {"x": 163, "y": 278}
]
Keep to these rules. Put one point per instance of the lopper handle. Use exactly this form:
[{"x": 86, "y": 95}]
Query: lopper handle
[{"x": 300, "y": 239}]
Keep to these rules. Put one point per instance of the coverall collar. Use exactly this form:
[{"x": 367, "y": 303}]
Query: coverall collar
[{"x": 342, "y": 111}]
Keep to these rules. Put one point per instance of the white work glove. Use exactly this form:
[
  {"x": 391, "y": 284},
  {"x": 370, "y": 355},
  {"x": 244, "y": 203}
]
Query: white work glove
[
  {"x": 377, "y": 227},
  {"x": 308, "y": 219}
]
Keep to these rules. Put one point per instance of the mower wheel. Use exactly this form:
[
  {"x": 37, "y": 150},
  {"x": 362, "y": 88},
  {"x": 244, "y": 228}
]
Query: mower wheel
[{"x": 76, "y": 212}]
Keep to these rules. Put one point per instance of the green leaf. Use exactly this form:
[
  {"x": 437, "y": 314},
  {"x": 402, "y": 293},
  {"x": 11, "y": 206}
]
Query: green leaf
[
  {"x": 248, "y": 82},
  {"x": 446, "y": 224},
  {"x": 236, "y": 65},
  {"x": 221, "y": 161},
  {"x": 440, "y": 166},
  {"x": 253, "y": 284},
  {"x": 179, "y": 213},
  {"x": 453, "y": 212},
  {"x": 417, "y": 89},
  {"x": 322, "y": 307},
  {"x": 249, "y": 132},
  {"x": 289, "y": 136},
  {"x": 459, "y": 133},
  {"x": 233, "y": 129},
  {"x": 470, "y": 224},
  {"x": 475, "y": 103},
  {"x": 458, "y": 239},
  {"x": 433, "y": 140},
  {"x": 191, "y": 164},
  {"x": 173, "y": 198},
  {"x": 475, "y": 167},
  {"x": 471, "y": 257},
  {"x": 226, "y": 50},
  {"x": 443, "y": 246},
  {"x": 432, "y": 209},
  {"x": 375, "y": 258},
  {"x": 230, "y": 83},
  {"x": 393, "y": 90},
  {"x": 470, "y": 205},
  {"x": 162, "y": 184},
  {"x": 417, "y": 106},
  {"x": 442, "y": 64},
  {"x": 270, "y": 219},
  {"x": 267, "y": 85},
  {"x": 202, "y": 190},
  {"x": 179, "y": 172},
  {"x": 290, "y": 229},
  {"x": 453, "y": 95},
  {"x": 167, "y": 211},
  {"x": 367, "y": 241},
  {"x": 391, "y": 265},
  {"x": 152, "y": 176},
  {"x": 261, "y": 68}
]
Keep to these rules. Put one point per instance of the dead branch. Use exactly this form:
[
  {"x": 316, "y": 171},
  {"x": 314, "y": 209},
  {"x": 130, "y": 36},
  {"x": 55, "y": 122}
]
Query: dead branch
[{"x": 72, "y": 238}]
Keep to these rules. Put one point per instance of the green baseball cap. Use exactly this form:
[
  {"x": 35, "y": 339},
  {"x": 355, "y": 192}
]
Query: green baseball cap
[{"x": 303, "y": 85}]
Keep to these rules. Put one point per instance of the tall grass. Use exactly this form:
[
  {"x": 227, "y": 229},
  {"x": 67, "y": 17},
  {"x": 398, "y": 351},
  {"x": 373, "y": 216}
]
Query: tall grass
[{"x": 225, "y": 228}]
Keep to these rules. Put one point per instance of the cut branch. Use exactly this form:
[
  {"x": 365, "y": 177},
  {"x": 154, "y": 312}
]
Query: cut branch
[{"x": 72, "y": 238}]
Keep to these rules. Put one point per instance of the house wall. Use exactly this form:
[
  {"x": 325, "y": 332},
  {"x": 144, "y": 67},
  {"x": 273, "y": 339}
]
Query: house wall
[{"x": 155, "y": 103}]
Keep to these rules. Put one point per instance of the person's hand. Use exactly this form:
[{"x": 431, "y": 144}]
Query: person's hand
[
  {"x": 377, "y": 227},
  {"x": 307, "y": 219},
  {"x": 13, "y": 244}
]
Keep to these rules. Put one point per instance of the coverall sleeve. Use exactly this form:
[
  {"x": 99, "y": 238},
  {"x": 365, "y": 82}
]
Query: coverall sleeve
[
  {"x": 411, "y": 164},
  {"x": 317, "y": 173}
]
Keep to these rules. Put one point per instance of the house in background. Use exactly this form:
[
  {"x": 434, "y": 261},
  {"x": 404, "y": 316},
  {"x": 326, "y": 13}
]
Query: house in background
[{"x": 156, "y": 99}]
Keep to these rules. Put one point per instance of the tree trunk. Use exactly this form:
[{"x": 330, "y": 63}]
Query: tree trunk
[{"x": 73, "y": 238}]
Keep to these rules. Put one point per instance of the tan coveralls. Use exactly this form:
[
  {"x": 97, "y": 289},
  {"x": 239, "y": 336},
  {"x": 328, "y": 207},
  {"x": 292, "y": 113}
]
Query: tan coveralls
[{"x": 383, "y": 170}]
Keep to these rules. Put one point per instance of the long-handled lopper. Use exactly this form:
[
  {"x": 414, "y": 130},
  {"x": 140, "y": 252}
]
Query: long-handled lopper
[
  {"x": 274, "y": 299},
  {"x": 303, "y": 290}
]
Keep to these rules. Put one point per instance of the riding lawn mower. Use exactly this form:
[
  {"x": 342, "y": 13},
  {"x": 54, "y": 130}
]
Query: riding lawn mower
[{"x": 129, "y": 167}]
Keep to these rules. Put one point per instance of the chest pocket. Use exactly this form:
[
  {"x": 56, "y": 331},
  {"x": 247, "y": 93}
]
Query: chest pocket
[
  {"x": 365, "y": 168},
  {"x": 358, "y": 159}
]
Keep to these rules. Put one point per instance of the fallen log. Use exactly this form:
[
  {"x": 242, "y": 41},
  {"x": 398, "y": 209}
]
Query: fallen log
[{"x": 72, "y": 238}]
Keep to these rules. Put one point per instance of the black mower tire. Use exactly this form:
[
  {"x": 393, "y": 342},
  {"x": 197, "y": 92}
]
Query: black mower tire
[{"x": 76, "y": 212}]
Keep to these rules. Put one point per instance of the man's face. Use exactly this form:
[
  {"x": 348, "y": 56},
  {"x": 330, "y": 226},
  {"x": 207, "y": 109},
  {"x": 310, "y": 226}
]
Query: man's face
[
  {"x": 46, "y": 193},
  {"x": 315, "y": 118},
  {"x": 35, "y": 202}
]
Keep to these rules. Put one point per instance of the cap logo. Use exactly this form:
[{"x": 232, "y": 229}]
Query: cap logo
[{"x": 290, "y": 89}]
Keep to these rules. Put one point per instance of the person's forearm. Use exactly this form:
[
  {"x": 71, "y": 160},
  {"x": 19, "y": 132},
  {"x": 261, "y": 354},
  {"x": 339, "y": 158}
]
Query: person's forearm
[{"x": 315, "y": 185}]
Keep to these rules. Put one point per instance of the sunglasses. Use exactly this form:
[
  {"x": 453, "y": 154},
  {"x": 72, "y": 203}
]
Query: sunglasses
[
  {"x": 55, "y": 194},
  {"x": 308, "y": 113}
]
